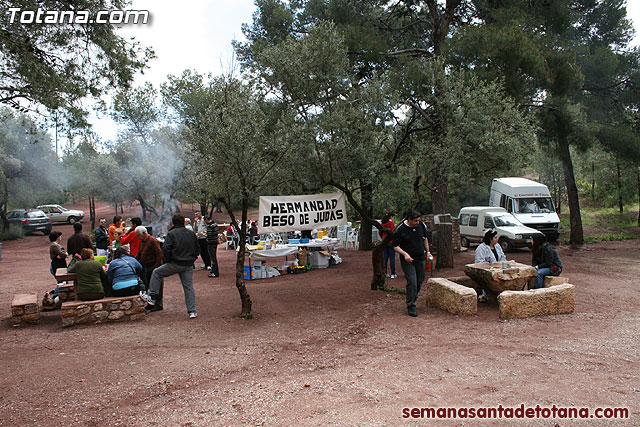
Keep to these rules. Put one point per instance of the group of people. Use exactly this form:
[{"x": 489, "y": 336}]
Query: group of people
[
  {"x": 544, "y": 256},
  {"x": 410, "y": 241},
  {"x": 130, "y": 268},
  {"x": 137, "y": 261},
  {"x": 139, "y": 264}
]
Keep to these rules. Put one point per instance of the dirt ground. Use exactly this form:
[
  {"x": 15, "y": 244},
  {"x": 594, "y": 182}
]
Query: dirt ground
[{"x": 322, "y": 349}]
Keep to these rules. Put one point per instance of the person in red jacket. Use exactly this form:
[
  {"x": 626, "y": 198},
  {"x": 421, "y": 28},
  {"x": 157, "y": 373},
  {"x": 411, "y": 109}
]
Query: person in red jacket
[
  {"x": 389, "y": 253},
  {"x": 131, "y": 238}
]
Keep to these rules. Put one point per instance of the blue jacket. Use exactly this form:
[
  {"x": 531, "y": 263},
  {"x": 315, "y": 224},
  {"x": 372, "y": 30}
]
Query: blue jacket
[{"x": 123, "y": 275}]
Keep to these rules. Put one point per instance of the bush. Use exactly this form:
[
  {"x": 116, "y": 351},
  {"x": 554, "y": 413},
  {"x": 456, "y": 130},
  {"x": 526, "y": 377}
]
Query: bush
[{"x": 12, "y": 233}]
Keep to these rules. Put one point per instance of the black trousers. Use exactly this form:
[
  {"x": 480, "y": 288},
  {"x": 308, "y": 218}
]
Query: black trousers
[
  {"x": 213, "y": 257},
  {"x": 204, "y": 253}
]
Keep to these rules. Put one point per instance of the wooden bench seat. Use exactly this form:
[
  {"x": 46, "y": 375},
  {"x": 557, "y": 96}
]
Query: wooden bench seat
[{"x": 115, "y": 309}]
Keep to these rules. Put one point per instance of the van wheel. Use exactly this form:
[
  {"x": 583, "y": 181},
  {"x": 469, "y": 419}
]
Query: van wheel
[
  {"x": 505, "y": 245},
  {"x": 464, "y": 242},
  {"x": 72, "y": 220}
]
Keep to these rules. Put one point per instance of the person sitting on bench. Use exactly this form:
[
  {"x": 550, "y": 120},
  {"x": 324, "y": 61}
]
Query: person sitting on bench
[
  {"x": 123, "y": 274},
  {"x": 91, "y": 277}
]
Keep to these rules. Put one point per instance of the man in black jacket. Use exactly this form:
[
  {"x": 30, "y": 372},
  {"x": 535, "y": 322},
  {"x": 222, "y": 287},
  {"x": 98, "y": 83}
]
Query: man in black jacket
[
  {"x": 102, "y": 238},
  {"x": 179, "y": 252},
  {"x": 212, "y": 245}
]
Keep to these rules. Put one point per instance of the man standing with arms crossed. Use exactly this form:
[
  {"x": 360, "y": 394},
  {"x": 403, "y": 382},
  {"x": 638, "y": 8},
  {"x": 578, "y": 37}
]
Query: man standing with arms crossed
[
  {"x": 102, "y": 238},
  {"x": 179, "y": 252},
  {"x": 410, "y": 242}
]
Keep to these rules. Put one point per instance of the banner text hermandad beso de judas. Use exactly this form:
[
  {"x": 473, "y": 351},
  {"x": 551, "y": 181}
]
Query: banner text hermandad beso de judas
[{"x": 290, "y": 213}]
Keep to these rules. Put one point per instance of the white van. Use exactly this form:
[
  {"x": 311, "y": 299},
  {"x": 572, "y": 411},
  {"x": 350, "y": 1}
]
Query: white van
[
  {"x": 529, "y": 201},
  {"x": 476, "y": 220}
]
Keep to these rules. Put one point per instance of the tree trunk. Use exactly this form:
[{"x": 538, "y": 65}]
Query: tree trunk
[
  {"x": 3, "y": 207},
  {"x": 379, "y": 280},
  {"x": 638, "y": 177},
  {"x": 92, "y": 211},
  {"x": 576, "y": 236},
  {"x": 445, "y": 245},
  {"x": 620, "y": 204},
  {"x": 439, "y": 197},
  {"x": 364, "y": 239},
  {"x": 593, "y": 181},
  {"x": 242, "y": 231},
  {"x": 121, "y": 209}
]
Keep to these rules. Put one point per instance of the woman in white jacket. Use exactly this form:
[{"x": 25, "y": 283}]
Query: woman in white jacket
[{"x": 489, "y": 251}]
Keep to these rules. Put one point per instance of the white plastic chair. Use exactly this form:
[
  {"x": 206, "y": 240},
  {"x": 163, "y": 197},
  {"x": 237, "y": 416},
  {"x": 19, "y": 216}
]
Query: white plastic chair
[
  {"x": 352, "y": 239},
  {"x": 341, "y": 235}
]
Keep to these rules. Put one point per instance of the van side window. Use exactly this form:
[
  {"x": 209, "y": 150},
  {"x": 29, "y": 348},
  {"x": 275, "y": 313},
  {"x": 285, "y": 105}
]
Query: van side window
[
  {"x": 488, "y": 222},
  {"x": 464, "y": 219},
  {"x": 473, "y": 220},
  {"x": 509, "y": 204},
  {"x": 503, "y": 201}
]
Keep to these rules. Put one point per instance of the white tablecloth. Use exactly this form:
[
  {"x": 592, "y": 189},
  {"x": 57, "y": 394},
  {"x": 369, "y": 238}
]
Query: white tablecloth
[
  {"x": 273, "y": 253},
  {"x": 320, "y": 243}
]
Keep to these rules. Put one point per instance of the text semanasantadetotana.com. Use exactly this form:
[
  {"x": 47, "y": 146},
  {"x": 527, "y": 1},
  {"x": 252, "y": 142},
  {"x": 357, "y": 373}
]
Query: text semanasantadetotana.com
[
  {"x": 519, "y": 412},
  {"x": 42, "y": 16}
]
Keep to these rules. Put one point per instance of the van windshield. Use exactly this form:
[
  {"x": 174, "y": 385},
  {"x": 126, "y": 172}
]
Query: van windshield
[
  {"x": 534, "y": 205},
  {"x": 505, "y": 221}
]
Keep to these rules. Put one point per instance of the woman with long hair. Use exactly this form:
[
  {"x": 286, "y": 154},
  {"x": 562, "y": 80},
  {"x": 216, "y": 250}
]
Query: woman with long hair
[
  {"x": 545, "y": 259},
  {"x": 489, "y": 251}
]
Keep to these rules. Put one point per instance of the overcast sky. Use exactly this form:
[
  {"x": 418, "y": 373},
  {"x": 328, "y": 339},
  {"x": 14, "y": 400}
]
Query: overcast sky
[{"x": 197, "y": 34}]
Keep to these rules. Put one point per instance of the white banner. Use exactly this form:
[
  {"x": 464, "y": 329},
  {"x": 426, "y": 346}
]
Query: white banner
[{"x": 290, "y": 213}]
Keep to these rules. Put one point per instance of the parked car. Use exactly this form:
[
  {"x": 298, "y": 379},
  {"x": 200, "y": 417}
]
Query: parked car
[
  {"x": 476, "y": 220},
  {"x": 59, "y": 213},
  {"x": 31, "y": 220}
]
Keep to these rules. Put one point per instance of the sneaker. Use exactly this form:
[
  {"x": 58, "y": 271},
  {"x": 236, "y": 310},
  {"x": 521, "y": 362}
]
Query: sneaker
[
  {"x": 212, "y": 275},
  {"x": 153, "y": 308},
  {"x": 393, "y": 276},
  {"x": 209, "y": 268},
  {"x": 483, "y": 298},
  {"x": 146, "y": 298},
  {"x": 193, "y": 315},
  {"x": 413, "y": 312}
]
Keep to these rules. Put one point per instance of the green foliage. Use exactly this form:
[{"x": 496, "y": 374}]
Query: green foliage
[
  {"x": 12, "y": 233},
  {"x": 610, "y": 237},
  {"x": 28, "y": 169},
  {"x": 58, "y": 66}
]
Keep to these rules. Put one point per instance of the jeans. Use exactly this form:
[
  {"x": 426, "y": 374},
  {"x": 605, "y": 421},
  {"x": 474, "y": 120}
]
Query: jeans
[
  {"x": 414, "y": 272},
  {"x": 126, "y": 292},
  {"x": 390, "y": 256},
  {"x": 542, "y": 272},
  {"x": 213, "y": 257},
  {"x": 186, "y": 278}
]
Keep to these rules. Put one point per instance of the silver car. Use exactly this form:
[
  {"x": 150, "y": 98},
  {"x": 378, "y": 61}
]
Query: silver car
[{"x": 59, "y": 213}]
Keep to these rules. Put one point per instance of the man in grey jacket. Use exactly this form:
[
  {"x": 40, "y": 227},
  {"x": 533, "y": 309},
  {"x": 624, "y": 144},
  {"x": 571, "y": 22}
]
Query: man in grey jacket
[{"x": 179, "y": 252}]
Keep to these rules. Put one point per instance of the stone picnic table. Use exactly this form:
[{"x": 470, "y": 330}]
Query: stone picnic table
[{"x": 491, "y": 276}]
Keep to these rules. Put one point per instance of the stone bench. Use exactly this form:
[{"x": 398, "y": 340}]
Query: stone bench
[
  {"x": 554, "y": 281},
  {"x": 116, "y": 309},
  {"x": 450, "y": 296},
  {"x": 556, "y": 299},
  {"x": 66, "y": 292},
  {"x": 24, "y": 309}
]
